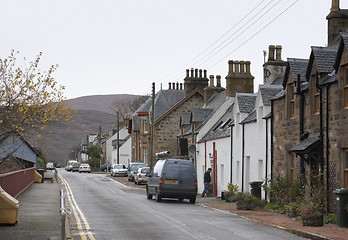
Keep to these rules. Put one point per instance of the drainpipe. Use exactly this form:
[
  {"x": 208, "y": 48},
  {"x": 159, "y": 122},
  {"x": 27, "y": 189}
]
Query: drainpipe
[
  {"x": 272, "y": 146},
  {"x": 321, "y": 123},
  {"x": 231, "y": 153},
  {"x": 327, "y": 148},
  {"x": 302, "y": 103},
  {"x": 243, "y": 142},
  {"x": 266, "y": 173}
]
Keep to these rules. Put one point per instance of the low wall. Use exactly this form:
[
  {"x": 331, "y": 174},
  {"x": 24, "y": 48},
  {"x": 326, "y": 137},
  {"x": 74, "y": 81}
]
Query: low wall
[{"x": 15, "y": 182}]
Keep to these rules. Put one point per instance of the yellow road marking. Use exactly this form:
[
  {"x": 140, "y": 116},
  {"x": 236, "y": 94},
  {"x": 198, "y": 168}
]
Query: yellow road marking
[{"x": 76, "y": 207}]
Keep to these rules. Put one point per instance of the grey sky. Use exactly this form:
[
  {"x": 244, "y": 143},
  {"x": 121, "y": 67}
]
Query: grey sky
[{"x": 113, "y": 46}]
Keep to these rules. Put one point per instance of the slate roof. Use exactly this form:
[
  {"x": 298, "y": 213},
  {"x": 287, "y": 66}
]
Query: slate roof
[
  {"x": 343, "y": 45},
  {"x": 280, "y": 95},
  {"x": 200, "y": 115},
  {"x": 185, "y": 118},
  {"x": 164, "y": 100},
  {"x": 296, "y": 66},
  {"x": 216, "y": 100},
  {"x": 306, "y": 145},
  {"x": 246, "y": 102},
  {"x": 250, "y": 118},
  {"x": 221, "y": 128},
  {"x": 278, "y": 80},
  {"x": 268, "y": 92}
]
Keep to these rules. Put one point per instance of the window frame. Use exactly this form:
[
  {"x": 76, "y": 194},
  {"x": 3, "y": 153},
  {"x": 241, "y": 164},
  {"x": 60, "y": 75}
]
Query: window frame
[
  {"x": 291, "y": 97},
  {"x": 316, "y": 95}
]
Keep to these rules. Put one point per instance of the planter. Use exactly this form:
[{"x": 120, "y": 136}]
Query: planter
[{"x": 316, "y": 221}]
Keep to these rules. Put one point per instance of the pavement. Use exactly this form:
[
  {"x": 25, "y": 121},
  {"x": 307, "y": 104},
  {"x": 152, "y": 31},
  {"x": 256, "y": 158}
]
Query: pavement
[{"x": 38, "y": 213}]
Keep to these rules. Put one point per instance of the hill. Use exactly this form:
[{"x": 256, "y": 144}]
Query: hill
[{"x": 60, "y": 140}]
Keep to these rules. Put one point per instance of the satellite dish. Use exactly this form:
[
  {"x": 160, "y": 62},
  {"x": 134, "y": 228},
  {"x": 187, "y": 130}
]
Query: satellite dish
[{"x": 192, "y": 149}]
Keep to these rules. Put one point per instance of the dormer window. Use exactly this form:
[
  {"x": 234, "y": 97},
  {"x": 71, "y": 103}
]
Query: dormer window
[
  {"x": 145, "y": 127},
  {"x": 291, "y": 97}
]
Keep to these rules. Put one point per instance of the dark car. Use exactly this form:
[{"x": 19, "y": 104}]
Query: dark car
[
  {"x": 105, "y": 167},
  {"x": 172, "y": 178},
  {"x": 133, "y": 169}
]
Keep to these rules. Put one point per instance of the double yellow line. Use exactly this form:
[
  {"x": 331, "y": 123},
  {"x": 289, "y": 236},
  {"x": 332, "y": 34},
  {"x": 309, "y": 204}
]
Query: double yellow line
[{"x": 76, "y": 211}]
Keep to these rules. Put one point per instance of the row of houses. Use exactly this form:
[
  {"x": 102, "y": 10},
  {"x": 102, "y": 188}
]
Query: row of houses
[{"x": 297, "y": 121}]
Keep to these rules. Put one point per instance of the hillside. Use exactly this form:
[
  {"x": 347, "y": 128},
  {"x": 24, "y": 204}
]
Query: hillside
[{"x": 92, "y": 111}]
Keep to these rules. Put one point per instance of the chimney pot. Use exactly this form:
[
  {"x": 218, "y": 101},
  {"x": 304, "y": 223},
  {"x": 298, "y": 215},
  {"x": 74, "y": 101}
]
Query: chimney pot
[
  {"x": 278, "y": 49},
  {"x": 196, "y": 73},
  {"x": 271, "y": 52},
  {"x": 211, "y": 77},
  {"x": 242, "y": 66},
  {"x": 170, "y": 85},
  {"x": 236, "y": 66},
  {"x": 205, "y": 73},
  {"x": 180, "y": 86},
  {"x": 173, "y": 85},
  {"x": 218, "y": 80},
  {"x": 177, "y": 86},
  {"x": 187, "y": 73},
  {"x": 200, "y": 73},
  {"x": 192, "y": 72},
  {"x": 230, "y": 67},
  {"x": 247, "y": 66}
]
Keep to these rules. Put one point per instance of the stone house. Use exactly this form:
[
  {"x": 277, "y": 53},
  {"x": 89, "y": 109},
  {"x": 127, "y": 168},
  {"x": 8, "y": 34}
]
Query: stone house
[
  {"x": 169, "y": 106},
  {"x": 309, "y": 121}
]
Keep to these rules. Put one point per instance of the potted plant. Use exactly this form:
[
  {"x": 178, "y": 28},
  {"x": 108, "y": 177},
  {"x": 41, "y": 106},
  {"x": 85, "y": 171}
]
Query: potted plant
[{"x": 312, "y": 214}]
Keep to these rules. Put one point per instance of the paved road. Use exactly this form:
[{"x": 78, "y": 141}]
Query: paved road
[{"x": 110, "y": 210}]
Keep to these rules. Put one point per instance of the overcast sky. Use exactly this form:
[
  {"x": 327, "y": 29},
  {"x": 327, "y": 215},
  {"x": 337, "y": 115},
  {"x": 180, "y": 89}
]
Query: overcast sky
[{"x": 122, "y": 46}]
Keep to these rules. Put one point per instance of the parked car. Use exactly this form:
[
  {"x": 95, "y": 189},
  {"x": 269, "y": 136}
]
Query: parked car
[
  {"x": 140, "y": 176},
  {"x": 50, "y": 166},
  {"x": 84, "y": 167},
  {"x": 172, "y": 178},
  {"x": 58, "y": 165},
  {"x": 119, "y": 170},
  {"x": 105, "y": 167},
  {"x": 133, "y": 168},
  {"x": 69, "y": 167},
  {"x": 76, "y": 167}
]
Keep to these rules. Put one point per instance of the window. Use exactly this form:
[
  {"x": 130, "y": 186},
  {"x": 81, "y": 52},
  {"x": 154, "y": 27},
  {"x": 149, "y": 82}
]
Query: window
[
  {"x": 345, "y": 87},
  {"x": 345, "y": 166},
  {"x": 145, "y": 126},
  {"x": 291, "y": 98},
  {"x": 316, "y": 94}
]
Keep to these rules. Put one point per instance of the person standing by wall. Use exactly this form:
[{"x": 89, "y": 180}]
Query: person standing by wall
[{"x": 207, "y": 180}]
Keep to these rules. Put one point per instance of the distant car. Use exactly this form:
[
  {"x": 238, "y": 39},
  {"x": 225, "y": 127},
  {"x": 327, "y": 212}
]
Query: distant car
[
  {"x": 58, "y": 165},
  {"x": 119, "y": 170},
  {"x": 69, "y": 167},
  {"x": 50, "y": 166},
  {"x": 105, "y": 167},
  {"x": 76, "y": 167},
  {"x": 133, "y": 168},
  {"x": 140, "y": 176},
  {"x": 84, "y": 167}
]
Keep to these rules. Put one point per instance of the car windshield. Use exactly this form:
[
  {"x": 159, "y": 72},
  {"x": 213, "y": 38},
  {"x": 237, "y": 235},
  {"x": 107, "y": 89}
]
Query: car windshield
[
  {"x": 145, "y": 170},
  {"x": 136, "y": 167},
  {"x": 118, "y": 166},
  {"x": 84, "y": 165}
]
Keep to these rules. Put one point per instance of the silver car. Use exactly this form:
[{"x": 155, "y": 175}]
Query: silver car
[
  {"x": 84, "y": 167},
  {"x": 119, "y": 170},
  {"x": 140, "y": 176}
]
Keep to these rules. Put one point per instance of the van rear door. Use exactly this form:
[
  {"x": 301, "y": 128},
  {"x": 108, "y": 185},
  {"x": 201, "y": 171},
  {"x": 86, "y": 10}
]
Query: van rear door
[{"x": 187, "y": 177}]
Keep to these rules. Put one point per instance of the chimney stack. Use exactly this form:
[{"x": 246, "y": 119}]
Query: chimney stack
[
  {"x": 271, "y": 52},
  {"x": 335, "y": 6},
  {"x": 198, "y": 79},
  {"x": 239, "y": 78}
]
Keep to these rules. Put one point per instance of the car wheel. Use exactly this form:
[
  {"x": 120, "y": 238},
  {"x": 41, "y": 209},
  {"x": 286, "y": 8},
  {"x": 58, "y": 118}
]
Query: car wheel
[
  {"x": 158, "y": 197},
  {"x": 135, "y": 182},
  {"x": 148, "y": 195},
  {"x": 193, "y": 200}
]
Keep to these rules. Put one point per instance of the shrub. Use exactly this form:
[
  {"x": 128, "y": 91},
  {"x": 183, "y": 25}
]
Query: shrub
[
  {"x": 277, "y": 189},
  {"x": 245, "y": 201},
  {"x": 232, "y": 190},
  {"x": 279, "y": 208},
  {"x": 330, "y": 219}
]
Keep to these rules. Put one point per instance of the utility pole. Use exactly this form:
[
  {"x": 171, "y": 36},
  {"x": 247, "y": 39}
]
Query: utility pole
[
  {"x": 152, "y": 126},
  {"x": 118, "y": 138}
]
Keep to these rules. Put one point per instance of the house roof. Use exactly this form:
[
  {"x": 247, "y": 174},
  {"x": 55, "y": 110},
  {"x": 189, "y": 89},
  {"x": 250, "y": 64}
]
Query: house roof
[
  {"x": 278, "y": 80},
  {"x": 342, "y": 45},
  {"x": 200, "y": 115},
  {"x": 216, "y": 100},
  {"x": 221, "y": 127},
  {"x": 246, "y": 102},
  {"x": 268, "y": 92},
  {"x": 164, "y": 100},
  {"x": 185, "y": 119},
  {"x": 306, "y": 145},
  {"x": 325, "y": 58},
  {"x": 280, "y": 95},
  {"x": 250, "y": 118},
  {"x": 296, "y": 66}
]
